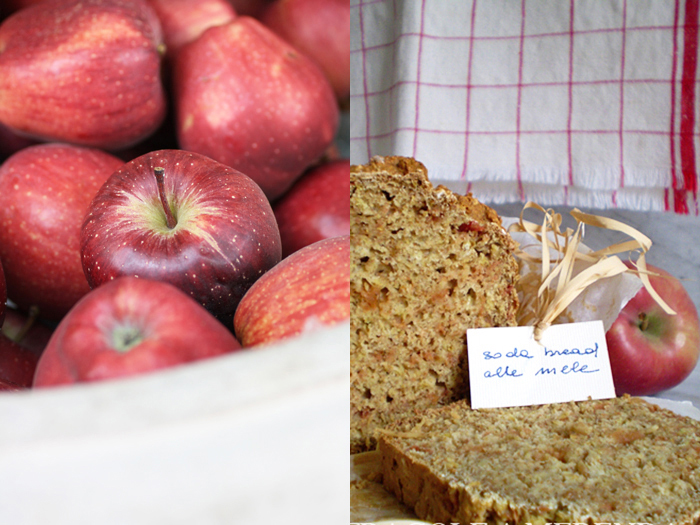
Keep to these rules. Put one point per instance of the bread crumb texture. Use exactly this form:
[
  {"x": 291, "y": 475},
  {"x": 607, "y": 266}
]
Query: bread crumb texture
[
  {"x": 426, "y": 264},
  {"x": 620, "y": 460}
]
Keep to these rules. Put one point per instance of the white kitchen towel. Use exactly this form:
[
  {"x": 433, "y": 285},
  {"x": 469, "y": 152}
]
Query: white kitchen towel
[{"x": 587, "y": 103}]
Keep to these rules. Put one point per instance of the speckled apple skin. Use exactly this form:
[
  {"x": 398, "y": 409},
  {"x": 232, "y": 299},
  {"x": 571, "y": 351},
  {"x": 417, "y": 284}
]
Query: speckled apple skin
[
  {"x": 185, "y": 20},
  {"x": 316, "y": 207},
  {"x": 246, "y": 98},
  {"x": 83, "y": 71},
  {"x": 175, "y": 330},
  {"x": 45, "y": 191},
  {"x": 321, "y": 30},
  {"x": 226, "y": 236},
  {"x": 308, "y": 289}
]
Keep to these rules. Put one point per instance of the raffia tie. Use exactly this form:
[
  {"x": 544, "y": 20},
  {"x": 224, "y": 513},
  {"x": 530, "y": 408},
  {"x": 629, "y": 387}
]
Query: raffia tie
[{"x": 546, "y": 294}]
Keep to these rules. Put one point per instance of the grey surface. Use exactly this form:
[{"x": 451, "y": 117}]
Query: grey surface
[
  {"x": 212, "y": 442},
  {"x": 676, "y": 249}
]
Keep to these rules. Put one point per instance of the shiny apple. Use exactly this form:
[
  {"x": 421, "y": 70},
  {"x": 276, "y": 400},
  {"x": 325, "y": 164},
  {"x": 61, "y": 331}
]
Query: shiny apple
[
  {"x": 85, "y": 72},
  {"x": 185, "y": 20},
  {"x": 130, "y": 326},
  {"x": 182, "y": 218},
  {"x": 321, "y": 30},
  {"x": 45, "y": 191},
  {"x": 316, "y": 207},
  {"x": 651, "y": 350},
  {"x": 307, "y": 290},
  {"x": 248, "y": 99}
]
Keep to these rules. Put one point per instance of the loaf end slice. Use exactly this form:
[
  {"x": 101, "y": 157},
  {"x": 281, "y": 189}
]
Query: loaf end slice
[{"x": 426, "y": 265}]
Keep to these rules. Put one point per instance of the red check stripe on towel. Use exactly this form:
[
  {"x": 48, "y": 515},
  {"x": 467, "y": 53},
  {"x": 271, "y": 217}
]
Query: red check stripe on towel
[{"x": 587, "y": 102}]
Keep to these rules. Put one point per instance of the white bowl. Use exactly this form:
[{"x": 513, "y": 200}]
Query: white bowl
[{"x": 255, "y": 437}]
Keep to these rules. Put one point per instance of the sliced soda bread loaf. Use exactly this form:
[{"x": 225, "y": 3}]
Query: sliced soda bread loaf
[{"x": 426, "y": 264}]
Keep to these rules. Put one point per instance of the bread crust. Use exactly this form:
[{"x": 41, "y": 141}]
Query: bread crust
[{"x": 620, "y": 460}]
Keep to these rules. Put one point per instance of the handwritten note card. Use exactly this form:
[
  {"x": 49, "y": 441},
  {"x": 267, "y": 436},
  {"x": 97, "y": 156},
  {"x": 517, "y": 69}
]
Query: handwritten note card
[{"x": 507, "y": 367}]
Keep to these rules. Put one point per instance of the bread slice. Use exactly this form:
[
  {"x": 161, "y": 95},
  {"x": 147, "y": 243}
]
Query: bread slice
[
  {"x": 369, "y": 500},
  {"x": 621, "y": 460},
  {"x": 426, "y": 264}
]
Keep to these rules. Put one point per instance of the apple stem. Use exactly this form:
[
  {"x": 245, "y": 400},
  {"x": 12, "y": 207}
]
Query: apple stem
[
  {"x": 169, "y": 218},
  {"x": 643, "y": 322}
]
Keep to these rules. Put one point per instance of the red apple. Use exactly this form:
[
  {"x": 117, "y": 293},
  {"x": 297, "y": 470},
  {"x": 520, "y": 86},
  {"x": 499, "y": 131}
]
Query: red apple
[
  {"x": 17, "y": 365},
  {"x": 27, "y": 330},
  {"x": 213, "y": 239},
  {"x": 45, "y": 191},
  {"x": 650, "y": 350},
  {"x": 246, "y": 98},
  {"x": 316, "y": 207},
  {"x": 185, "y": 20},
  {"x": 321, "y": 30},
  {"x": 82, "y": 71},
  {"x": 130, "y": 326},
  {"x": 308, "y": 289}
]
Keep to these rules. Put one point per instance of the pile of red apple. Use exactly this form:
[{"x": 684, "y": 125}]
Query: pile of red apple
[{"x": 169, "y": 185}]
